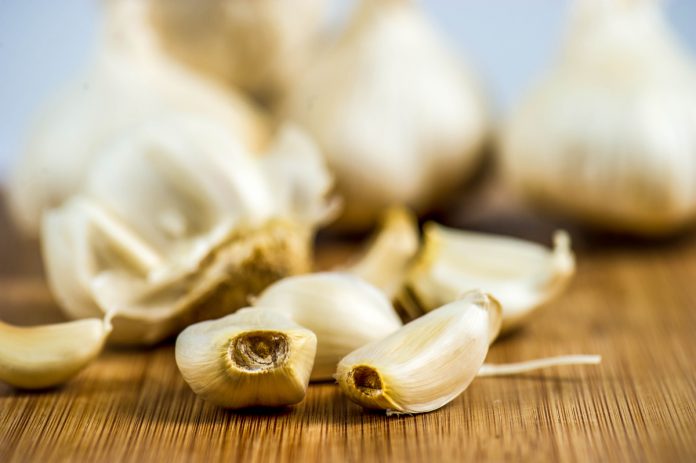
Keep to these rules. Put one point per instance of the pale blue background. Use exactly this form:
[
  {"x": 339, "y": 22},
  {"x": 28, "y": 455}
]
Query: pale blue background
[{"x": 44, "y": 42}]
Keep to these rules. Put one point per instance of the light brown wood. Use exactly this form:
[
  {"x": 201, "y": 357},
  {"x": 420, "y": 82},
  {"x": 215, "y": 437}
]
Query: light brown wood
[{"x": 632, "y": 302}]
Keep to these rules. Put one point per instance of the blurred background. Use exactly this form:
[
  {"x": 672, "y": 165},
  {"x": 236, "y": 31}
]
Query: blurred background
[{"x": 43, "y": 43}]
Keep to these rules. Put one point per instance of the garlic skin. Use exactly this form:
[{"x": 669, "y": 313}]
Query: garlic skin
[
  {"x": 521, "y": 275},
  {"x": 343, "y": 311},
  {"x": 39, "y": 357},
  {"x": 397, "y": 115},
  {"x": 130, "y": 80},
  {"x": 246, "y": 359},
  {"x": 259, "y": 46},
  {"x": 609, "y": 135},
  {"x": 178, "y": 222},
  {"x": 427, "y": 363}
]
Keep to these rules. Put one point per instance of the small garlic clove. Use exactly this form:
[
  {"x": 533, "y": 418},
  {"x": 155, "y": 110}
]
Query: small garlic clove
[
  {"x": 44, "y": 356},
  {"x": 387, "y": 257},
  {"x": 427, "y": 363},
  {"x": 521, "y": 275},
  {"x": 250, "y": 358},
  {"x": 343, "y": 311}
]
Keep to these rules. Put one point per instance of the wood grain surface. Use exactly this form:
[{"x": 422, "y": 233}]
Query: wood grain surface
[{"x": 632, "y": 302}]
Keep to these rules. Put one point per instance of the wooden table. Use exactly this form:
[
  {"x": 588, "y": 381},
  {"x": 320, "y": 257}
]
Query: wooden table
[{"x": 632, "y": 302}]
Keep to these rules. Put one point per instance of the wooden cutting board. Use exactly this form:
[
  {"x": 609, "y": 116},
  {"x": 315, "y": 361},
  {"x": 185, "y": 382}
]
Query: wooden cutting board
[{"x": 632, "y": 302}]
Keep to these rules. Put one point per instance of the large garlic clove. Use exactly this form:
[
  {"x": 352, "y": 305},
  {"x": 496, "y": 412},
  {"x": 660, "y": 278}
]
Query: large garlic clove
[
  {"x": 427, "y": 363},
  {"x": 521, "y": 275},
  {"x": 178, "y": 223},
  {"x": 394, "y": 111},
  {"x": 44, "y": 356},
  {"x": 250, "y": 358},
  {"x": 260, "y": 46},
  {"x": 343, "y": 311},
  {"x": 130, "y": 80},
  {"x": 609, "y": 136}
]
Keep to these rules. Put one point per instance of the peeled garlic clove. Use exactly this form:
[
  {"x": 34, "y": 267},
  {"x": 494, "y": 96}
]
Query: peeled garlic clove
[
  {"x": 44, "y": 356},
  {"x": 343, "y": 311},
  {"x": 394, "y": 111},
  {"x": 259, "y": 46},
  {"x": 136, "y": 81},
  {"x": 250, "y": 358},
  {"x": 179, "y": 222},
  {"x": 427, "y": 363},
  {"x": 521, "y": 275},
  {"x": 386, "y": 259},
  {"x": 609, "y": 136}
]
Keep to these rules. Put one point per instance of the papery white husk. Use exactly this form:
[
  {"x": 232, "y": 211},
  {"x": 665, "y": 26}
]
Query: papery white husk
[
  {"x": 179, "y": 222},
  {"x": 609, "y": 135},
  {"x": 397, "y": 115},
  {"x": 129, "y": 80},
  {"x": 521, "y": 275},
  {"x": 343, "y": 311}
]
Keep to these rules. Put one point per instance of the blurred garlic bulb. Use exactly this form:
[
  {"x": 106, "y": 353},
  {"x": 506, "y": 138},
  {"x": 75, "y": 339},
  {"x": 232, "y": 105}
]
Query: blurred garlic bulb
[
  {"x": 521, "y": 275},
  {"x": 129, "y": 80},
  {"x": 178, "y": 222},
  {"x": 609, "y": 136},
  {"x": 397, "y": 115},
  {"x": 343, "y": 311},
  {"x": 259, "y": 46}
]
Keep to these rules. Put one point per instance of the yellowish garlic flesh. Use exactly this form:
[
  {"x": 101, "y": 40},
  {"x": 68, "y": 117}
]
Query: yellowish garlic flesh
[
  {"x": 427, "y": 363},
  {"x": 247, "y": 359},
  {"x": 343, "y": 311},
  {"x": 521, "y": 275},
  {"x": 608, "y": 137},
  {"x": 39, "y": 357}
]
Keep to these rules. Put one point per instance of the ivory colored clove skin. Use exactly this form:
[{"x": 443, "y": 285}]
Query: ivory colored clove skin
[
  {"x": 342, "y": 310},
  {"x": 44, "y": 356},
  {"x": 427, "y": 363},
  {"x": 250, "y": 358}
]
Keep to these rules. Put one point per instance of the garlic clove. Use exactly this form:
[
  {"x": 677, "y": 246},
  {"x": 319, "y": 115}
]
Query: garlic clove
[
  {"x": 246, "y": 359},
  {"x": 396, "y": 114},
  {"x": 44, "y": 356},
  {"x": 427, "y": 363},
  {"x": 608, "y": 137},
  {"x": 521, "y": 275},
  {"x": 343, "y": 311},
  {"x": 392, "y": 248}
]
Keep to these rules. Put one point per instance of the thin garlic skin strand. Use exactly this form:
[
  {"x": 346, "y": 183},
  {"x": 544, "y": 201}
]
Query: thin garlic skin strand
[
  {"x": 45, "y": 356},
  {"x": 505, "y": 369},
  {"x": 249, "y": 358}
]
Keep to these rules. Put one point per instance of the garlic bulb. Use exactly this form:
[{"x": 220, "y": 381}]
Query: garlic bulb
[
  {"x": 260, "y": 46},
  {"x": 129, "y": 81},
  {"x": 609, "y": 136},
  {"x": 343, "y": 311},
  {"x": 38, "y": 357},
  {"x": 521, "y": 275},
  {"x": 427, "y": 363},
  {"x": 250, "y": 358},
  {"x": 178, "y": 222},
  {"x": 394, "y": 111}
]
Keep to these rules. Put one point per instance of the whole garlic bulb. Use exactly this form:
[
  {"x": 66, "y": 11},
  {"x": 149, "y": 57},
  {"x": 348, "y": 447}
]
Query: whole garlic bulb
[
  {"x": 129, "y": 80},
  {"x": 178, "y": 222},
  {"x": 609, "y": 136},
  {"x": 397, "y": 115},
  {"x": 260, "y": 46}
]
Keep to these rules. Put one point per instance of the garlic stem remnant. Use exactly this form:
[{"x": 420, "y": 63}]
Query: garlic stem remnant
[
  {"x": 179, "y": 223},
  {"x": 609, "y": 136},
  {"x": 425, "y": 364},
  {"x": 387, "y": 257},
  {"x": 44, "y": 356},
  {"x": 343, "y": 311},
  {"x": 249, "y": 358},
  {"x": 521, "y": 275},
  {"x": 490, "y": 369},
  {"x": 397, "y": 115}
]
